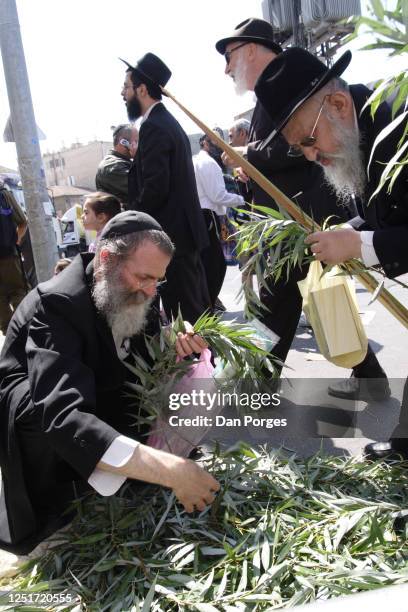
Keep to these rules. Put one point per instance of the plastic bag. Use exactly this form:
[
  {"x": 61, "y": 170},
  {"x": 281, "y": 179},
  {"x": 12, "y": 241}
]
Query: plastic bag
[
  {"x": 183, "y": 438},
  {"x": 330, "y": 304}
]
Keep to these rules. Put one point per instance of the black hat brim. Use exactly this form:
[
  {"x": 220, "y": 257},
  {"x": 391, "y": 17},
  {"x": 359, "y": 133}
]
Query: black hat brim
[
  {"x": 143, "y": 77},
  {"x": 336, "y": 70},
  {"x": 221, "y": 45}
]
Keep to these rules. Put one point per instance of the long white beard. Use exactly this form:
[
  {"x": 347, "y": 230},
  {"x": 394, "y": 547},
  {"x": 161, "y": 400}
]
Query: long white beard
[
  {"x": 346, "y": 175},
  {"x": 240, "y": 77},
  {"x": 125, "y": 312}
]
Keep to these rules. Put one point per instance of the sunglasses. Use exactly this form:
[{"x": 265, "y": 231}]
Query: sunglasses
[
  {"x": 147, "y": 284},
  {"x": 227, "y": 54},
  {"x": 296, "y": 149}
]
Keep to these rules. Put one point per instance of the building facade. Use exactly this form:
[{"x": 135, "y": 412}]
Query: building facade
[
  {"x": 75, "y": 166},
  {"x": 65, "y": 196}
]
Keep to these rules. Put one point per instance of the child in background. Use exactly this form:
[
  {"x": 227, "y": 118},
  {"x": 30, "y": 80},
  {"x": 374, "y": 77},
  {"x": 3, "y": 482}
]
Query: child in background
[{"x": 98, "y": 209}]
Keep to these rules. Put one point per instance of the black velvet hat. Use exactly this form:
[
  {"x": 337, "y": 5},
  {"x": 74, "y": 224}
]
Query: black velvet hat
[
  {"x": 128, "y": 222},
  {"x": 251, "y": 30},
  {"x": 291, "y": 79},
  {"x": 151, "y": 70}
]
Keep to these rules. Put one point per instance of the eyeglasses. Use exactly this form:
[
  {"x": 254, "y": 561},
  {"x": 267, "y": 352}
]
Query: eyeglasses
[
  {"x": 227, "y": 54},
  {"x": 295, "y": 150},
  {"x": 152, "y": 282}
]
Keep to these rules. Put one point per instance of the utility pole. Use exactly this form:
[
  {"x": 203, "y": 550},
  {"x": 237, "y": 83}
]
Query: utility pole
[{"x": 27, "y": 144}]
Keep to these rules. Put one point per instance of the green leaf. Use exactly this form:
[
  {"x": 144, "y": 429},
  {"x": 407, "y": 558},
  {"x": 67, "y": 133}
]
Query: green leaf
[
  {"x": 384, "y": 134},
  {"x": 223, "y": 585},
  {"x": 149, "y": 597},
  {"x": 105, "y": 565},
  {"x": 265, "y": 554},
  {"x": 378, "y": 9},
  {"x": 92, "y": 539}
]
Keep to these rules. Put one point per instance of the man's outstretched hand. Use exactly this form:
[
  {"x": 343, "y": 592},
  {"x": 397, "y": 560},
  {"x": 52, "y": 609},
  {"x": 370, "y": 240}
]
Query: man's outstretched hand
[
  {"x": 193, "y": 486},
  {"x": 188, "y": 343}
]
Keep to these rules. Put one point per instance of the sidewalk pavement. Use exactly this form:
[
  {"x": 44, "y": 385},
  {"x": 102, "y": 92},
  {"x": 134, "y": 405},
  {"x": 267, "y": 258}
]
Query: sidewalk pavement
[{"x": 370, "y": 422}]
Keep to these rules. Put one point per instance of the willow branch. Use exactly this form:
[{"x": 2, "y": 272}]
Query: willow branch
[{"x": 394, "y": 306}]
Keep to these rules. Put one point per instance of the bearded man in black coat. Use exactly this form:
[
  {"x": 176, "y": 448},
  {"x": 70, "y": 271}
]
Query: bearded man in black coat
[
  {"x": 248, "y": 50},
  {"x": 162, "y": 184},
  {"x": 324, "y": 119},
  {"x": 65, "y": 424}
]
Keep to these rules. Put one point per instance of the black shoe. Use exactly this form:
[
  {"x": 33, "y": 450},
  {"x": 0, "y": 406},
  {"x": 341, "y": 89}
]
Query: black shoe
[
  {"x": 392, "y": 450},
  {"x": 365, "y": 389},
  {"x": 401, "y": 523}
]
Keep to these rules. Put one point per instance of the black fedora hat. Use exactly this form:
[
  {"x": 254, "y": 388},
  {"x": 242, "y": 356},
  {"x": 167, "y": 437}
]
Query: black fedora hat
[
  {"x": 151, "y": 70},
  {"x": 251, "y": 30},
  {"x": 291, "y": 79}
]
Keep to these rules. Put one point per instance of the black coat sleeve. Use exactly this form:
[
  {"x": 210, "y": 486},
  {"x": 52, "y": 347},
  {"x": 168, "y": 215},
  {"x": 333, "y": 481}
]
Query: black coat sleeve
[
  {"x": 391, "y": 247},
  {"x": 155, "y": 148},
  {"x": 63, "y": 387}
]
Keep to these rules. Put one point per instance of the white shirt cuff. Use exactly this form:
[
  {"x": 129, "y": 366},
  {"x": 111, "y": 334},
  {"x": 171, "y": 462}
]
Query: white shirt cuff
[
  {"x": 117, "y": 455},
  {"x": 368, "y": 254}
]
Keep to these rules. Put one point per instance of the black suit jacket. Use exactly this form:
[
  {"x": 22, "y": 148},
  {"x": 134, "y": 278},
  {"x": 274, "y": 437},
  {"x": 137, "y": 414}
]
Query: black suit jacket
[
  {"x": 387, "y": 213},
  {"x": 292, "y": 175},
  {"x": 162, "y": 181},
  {"x": 61, "y": 378}
]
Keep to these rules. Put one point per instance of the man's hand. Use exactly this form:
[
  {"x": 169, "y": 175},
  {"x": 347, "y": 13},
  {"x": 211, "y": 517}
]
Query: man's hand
[
  {"x": 228, "y": 161},
  {"x": 192, "y": 485},
  {"x": 189, "y": 342},
  {"x": 241, "y": 176},
  {"x": 336, "y": 246},
  {"x": 21, "y": 230}
]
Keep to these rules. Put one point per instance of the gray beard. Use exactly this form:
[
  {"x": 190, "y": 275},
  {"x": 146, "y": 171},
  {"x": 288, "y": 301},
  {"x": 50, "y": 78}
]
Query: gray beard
[
  {"x": 125, "y": 312},
  {"x": 347, "y": 175},
  {"x": 129, "y": 322},
  {"x": 240, "y": 80}
]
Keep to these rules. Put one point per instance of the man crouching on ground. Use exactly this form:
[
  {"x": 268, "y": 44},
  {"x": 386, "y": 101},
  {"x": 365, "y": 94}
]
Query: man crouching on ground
[{"x": 65, "y": 425}]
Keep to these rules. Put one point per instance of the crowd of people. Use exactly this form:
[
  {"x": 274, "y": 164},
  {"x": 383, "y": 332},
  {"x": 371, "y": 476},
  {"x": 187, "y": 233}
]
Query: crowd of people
[{"x": 158, "y": 212}]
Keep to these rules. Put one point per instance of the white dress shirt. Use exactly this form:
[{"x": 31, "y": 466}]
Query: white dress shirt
[
  {"x": 211, "y": 186},
  {"x": 117, "y": 455},
  {"x": 149, "y": 110},
  {"x": 368, "y": 254}
]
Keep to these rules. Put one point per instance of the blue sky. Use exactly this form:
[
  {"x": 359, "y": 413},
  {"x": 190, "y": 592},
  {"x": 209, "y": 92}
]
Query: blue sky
[{"x": 72, "y": 51}]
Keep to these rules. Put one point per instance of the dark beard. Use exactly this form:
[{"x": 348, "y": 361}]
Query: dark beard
[
  {"x": 216, "y": 153},
  {"x": 134, "y": 110}
]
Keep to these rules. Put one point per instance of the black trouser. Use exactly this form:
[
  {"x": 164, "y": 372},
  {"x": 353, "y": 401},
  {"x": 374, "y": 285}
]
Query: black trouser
[
  {"x": 12, "y": 288},
  {"x": 213, "y": 258},
  {"x": 186, "y": 288},
  {"x": 400, "y": 433},
  {"x": 284, "y": 303},
  {"x": 37, "y": 484}
]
